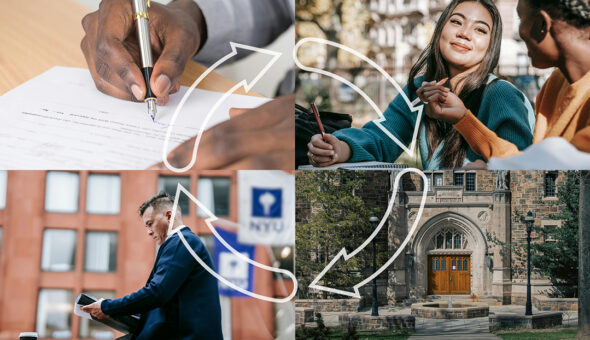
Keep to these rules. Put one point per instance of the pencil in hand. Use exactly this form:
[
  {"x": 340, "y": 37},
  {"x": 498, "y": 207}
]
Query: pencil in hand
[
  {"x": 417, "y": 100},
  {"x": 317, "y": 119}
]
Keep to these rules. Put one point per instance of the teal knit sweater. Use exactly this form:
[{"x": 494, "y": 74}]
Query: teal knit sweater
[{"x": 504, "y": 109}]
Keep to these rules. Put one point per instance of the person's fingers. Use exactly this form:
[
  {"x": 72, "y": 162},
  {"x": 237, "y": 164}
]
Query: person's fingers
[
  {"x": 115, "y": 66},
  {"x": 435, "y": 97},
  {"x": 331, "y": 140},
  {"x": 220, "y": 149},
  {"x": 171, "y": 62},
  {"x": 265, "y": 129},
  {"x": 234, "y": 112},
  {"x": 435, "y": 87},
  {"x": 279, "y": 160},
  {"x": 428, "y": 94},
  {"x": 321, "y": 159},
  {"x": 319, "y": 151},
  {"x": 112, "y": 61},
  {"x": 319, "y": 142},
  {"x": 88, "y": 46},
  {"x": 264, "y": 116}
]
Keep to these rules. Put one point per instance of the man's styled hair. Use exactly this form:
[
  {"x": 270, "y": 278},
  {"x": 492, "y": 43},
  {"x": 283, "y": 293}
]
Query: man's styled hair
[
  {"x": 159, "y": 201},
  {"x": 574, "y": 12}
]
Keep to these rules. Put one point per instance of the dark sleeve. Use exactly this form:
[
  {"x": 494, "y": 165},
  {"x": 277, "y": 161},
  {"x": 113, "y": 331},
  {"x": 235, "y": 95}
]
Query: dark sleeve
[
  {"x": 173, "y": 268},
  {"x": 371, "y": 143}
]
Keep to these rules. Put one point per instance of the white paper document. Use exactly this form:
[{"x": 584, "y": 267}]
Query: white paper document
[
  {"x": 59, "y": 120},
  {"x": 553, "y": 153}
]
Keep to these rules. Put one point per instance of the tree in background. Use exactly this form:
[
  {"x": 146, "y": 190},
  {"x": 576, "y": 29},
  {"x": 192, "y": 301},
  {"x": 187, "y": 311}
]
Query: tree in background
[
  {"x": 559, "y": 259},
  {"x": 337, "y": 219}
]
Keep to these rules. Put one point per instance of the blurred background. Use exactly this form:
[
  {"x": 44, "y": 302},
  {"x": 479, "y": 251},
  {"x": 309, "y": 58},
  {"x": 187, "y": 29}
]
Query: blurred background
[
  {"x": 63, "y": 233},
  {"x": 392, "y": 33}
]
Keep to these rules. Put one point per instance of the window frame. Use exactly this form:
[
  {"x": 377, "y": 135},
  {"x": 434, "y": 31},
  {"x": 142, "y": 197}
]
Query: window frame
[
  {"x": 73, "y": 269},
  {"x": 46, "y": 187}
]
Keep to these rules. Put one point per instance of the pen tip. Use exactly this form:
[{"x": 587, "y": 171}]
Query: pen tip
[{"x": 152, "y": 109}]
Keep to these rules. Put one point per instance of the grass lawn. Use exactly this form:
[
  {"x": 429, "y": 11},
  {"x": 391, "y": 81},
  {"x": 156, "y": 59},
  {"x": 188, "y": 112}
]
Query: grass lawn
[{"x": 545, "y": 334}]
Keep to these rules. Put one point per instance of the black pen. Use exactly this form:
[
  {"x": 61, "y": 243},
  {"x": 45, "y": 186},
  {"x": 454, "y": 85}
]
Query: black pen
[{"x": 140, "y": 8}]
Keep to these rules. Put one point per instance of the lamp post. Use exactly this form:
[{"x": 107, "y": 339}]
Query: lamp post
[
  {"x": 374, "y": 310},
  {"x": 529, "y": 219}
]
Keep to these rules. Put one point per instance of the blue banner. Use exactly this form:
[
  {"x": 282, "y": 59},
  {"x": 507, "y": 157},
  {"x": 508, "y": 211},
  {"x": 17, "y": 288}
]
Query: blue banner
[{"x": 231, "y": 267}]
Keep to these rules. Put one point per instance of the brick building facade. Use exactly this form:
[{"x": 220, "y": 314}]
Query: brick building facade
[{"x": 63, "y": 233}]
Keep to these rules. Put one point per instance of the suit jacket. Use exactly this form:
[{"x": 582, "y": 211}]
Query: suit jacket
[
  {"x": 180, "y": 299},
  {"x": 249, "y": 22}
]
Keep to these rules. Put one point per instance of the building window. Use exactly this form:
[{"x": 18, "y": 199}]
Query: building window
[
  {"x": 470, "y": 181},
  {"x": 213, "y": 192},
  {"x": 92, "y": 328},
  {"x": 103, "y": 195},
  {"x": 59, "y": 249},
  {"x": 550, "y": 188},
  {"x": 429, "y": 177},
  {"x": 100, "y": 251},
  {"x": 449, "y": 239},
  {"x": 438, "y": 180},
  {"x": 458, "y": 178},
  {"x": 54, "y": 313},
  {"x": 2, "y": 189},
  {"x": 61, "y": 192},
  {"x": 169, "y": 185}
]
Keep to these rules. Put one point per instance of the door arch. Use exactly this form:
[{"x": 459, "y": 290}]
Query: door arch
[{"x": 449, "y": 236}]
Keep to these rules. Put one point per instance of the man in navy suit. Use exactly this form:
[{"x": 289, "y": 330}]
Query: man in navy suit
[{"x": 180, "y": 299}]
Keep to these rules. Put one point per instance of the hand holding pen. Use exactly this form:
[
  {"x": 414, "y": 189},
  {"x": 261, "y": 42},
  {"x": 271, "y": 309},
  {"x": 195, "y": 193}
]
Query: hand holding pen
[
  {"x": 111, "y": 47},
  {"x": 325, "y": 149}
]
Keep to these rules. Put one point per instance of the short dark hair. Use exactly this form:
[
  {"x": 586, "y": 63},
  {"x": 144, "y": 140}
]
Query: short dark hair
[
  {"x": 574, "y": 12},
  {"x": 158, "y": 201}
]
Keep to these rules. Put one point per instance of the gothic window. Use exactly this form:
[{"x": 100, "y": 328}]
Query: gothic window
[{"x": 449, "y": 238}]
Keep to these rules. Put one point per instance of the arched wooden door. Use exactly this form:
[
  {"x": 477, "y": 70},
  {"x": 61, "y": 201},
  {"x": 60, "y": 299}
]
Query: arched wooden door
[{"x": 449, "y": 274}]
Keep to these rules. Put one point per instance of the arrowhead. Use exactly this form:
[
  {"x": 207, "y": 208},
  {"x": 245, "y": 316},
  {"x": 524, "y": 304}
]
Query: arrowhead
[
  {"x": 257, "y": 71},
  {"x": 314, "y": 284}
]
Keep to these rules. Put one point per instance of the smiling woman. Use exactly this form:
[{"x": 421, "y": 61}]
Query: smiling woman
[{"x": 465, "y": 47}]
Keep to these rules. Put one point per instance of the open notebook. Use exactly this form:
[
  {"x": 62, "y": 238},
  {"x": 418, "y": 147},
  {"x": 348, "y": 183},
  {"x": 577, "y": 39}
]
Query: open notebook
[{"x": 357, "y": 166}]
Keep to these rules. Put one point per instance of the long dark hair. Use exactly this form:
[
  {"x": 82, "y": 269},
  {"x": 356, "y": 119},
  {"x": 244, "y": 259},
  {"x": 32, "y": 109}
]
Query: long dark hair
[{"x": 434, "y": 67}]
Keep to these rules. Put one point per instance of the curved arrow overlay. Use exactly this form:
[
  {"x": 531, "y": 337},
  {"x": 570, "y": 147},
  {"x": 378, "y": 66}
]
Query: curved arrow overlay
[
  {"x": 209, "y": 221},
  {"x": 346, "y": 256},
  {"x": 378, "y": 121},
  {"x": 247, "y": 86}
]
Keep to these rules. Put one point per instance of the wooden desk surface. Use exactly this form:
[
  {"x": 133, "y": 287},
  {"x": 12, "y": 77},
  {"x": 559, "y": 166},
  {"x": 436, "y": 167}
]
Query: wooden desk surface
[{"x": 38, "y": 35}]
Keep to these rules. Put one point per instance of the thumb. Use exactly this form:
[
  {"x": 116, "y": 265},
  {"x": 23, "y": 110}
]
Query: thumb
[
  {"x": 330, "y": 139},
  {"x": 168, "y": 68}
]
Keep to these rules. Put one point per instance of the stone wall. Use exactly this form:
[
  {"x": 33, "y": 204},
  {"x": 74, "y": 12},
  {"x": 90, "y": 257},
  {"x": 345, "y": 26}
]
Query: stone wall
[
  {"x": 384, "y": 322},
  {"x": 543, "y": 320},
  {"x": 303, "y": 315},
  {"x": 545, "y": 303},
  {"x": 332, "y": 305}
]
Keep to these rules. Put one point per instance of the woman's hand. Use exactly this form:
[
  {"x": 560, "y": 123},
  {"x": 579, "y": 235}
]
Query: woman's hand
[
  {"x": 441, "y": 103},
  {"x": 327, "y": 150}
]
